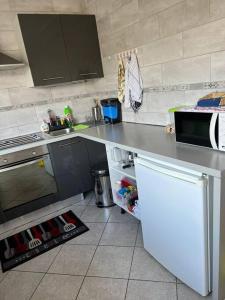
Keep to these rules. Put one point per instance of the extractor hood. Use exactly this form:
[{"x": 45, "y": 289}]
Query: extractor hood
[{"x": 7, "y": 62}]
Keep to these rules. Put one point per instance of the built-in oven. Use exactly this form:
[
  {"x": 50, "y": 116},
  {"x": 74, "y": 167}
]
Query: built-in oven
[
  {"x": 27, "y": 182},
  {"x": 202, "y": 128}
]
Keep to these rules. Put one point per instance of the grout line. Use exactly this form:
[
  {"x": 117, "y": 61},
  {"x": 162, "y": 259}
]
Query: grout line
[
  {"x": 60, "y": 248},
  {"x": 131, "y": 263},
  {"x": 90, "y": 262}
]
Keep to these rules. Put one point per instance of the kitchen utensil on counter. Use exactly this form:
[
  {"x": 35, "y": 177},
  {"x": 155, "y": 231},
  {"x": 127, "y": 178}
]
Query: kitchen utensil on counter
[
  {"x": 33, "y": 243},
  {"x": 45, "y": 234},
  {"x": 96, "y": 112},
  {"x": 67, "y": 226},
  {"x": 9, "y": 252}
]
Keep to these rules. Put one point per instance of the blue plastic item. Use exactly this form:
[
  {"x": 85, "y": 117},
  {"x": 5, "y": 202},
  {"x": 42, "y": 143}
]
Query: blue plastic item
[
  {"x": 110, "y": 111},
  {"x": 209, "y": 102}
]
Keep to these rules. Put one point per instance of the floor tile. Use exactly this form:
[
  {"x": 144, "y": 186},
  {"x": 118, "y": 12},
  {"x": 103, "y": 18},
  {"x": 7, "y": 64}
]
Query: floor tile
[
  {"x": 95, "y": 214},
  {"x": 95, "y": 288},
  {"x": 90, "y": 237},
  {"x": 116, "y": 216},
  {"x": 111, "y": 261},
  {"x": 2, "y": 275},
  {"x": 19, "y": 285},
  {"x": 86, "y": 199},
  {"x": 40, "y": 263},
  {"x": 147, "y": 290},
  {"x": 185, "y": 293},
  {"x": 73, "y": 260},
  {"x": 119, "y": 234},
  {"x": 145, "y": 267},
  {"x": 139, "y": 241},
  {"x": 58, "y": 287}
]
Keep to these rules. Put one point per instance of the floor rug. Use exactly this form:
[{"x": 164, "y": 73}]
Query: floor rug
[{"x": 38, "y": 239}]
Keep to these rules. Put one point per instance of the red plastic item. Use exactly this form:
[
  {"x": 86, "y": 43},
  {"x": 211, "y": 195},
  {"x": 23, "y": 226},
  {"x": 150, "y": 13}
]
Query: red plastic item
[
  {"x": 53, "y": 230},
  {"x": 20, "y": 247},
  {"x": 36, "y": 233},
  {"x": 69, "y": 219}
]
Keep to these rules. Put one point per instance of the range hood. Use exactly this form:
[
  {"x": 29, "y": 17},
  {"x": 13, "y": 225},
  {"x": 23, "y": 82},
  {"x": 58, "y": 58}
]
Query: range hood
[{"x": 7, "y": 62}]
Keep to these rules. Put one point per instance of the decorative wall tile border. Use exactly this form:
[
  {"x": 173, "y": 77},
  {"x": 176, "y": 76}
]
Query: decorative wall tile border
[{"x": 113, "y": 93}]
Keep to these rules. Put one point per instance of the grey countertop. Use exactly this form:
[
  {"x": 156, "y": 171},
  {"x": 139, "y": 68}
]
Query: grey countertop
[{"x": 148, "y": 140}]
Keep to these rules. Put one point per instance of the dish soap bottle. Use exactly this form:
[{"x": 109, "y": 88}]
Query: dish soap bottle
[{"x": 69, "y": 115}]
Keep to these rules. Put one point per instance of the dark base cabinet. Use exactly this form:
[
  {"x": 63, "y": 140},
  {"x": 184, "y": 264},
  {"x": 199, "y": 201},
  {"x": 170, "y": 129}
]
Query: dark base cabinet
[{"x": 72, "y": 161}]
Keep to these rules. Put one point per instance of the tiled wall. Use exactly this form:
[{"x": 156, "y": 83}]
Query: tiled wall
[{"x": 180, "y": 46}]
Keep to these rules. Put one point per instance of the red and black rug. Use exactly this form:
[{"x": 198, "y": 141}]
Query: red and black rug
[{"x": 38, "y": 239}]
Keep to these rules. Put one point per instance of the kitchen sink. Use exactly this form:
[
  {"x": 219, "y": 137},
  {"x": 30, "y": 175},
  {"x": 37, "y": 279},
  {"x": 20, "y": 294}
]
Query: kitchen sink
[{"x": 61, "y": 131}]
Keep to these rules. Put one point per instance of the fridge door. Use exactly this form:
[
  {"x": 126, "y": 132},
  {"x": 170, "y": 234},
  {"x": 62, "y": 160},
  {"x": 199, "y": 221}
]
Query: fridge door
[{"x": 174, "y": 216}]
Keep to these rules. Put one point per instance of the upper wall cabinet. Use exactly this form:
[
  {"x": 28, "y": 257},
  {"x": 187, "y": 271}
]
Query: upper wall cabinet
[
  {"x": 60, "y": 48},
  {"x": 82, "y": 46}
]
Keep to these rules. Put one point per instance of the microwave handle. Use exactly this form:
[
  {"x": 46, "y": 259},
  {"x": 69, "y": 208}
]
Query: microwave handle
[{"x": 212, "y": 128}]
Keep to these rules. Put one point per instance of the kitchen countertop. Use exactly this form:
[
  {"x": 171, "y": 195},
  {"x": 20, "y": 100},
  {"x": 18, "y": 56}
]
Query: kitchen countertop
[{"x": 148, "y": 140}]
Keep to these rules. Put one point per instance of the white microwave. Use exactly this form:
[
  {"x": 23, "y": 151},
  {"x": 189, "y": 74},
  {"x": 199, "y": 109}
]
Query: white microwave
[{"x": 201, "y": 128}]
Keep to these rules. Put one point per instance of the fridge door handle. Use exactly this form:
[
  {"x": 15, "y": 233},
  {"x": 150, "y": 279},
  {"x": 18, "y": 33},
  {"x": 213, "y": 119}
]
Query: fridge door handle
[
  {"x": 212, "y": 131},
  {"x": 200, "y": 180}
]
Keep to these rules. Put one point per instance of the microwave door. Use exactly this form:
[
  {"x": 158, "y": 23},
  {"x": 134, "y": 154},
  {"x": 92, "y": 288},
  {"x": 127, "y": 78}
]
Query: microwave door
[{"x": 212, "y": 131}]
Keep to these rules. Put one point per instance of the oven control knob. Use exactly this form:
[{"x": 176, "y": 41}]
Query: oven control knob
[
  {"x": 5, "y": 160},
  {"x": 34, "y": 153}
]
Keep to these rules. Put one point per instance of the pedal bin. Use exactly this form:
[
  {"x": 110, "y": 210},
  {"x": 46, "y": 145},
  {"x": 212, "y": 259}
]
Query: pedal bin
[{"x": 103, "y": 190}]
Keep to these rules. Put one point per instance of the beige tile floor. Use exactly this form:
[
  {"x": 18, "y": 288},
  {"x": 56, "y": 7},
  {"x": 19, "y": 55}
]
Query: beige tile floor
[{"x": 106, "y": 263}]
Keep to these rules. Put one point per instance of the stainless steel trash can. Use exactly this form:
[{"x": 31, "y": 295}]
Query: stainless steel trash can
[{"x": 103, "y": 190}]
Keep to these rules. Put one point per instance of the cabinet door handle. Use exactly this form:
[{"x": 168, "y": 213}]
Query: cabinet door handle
[
  {"x": 67, "y": 144},
  {"x": 53, "y": 78},
  {"x": 86, "y": 74}
]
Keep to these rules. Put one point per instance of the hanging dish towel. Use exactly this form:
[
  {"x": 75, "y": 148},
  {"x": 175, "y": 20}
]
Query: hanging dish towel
[
  {"x": 121, "y": 81},
  {"x": 133, "y": 84}
]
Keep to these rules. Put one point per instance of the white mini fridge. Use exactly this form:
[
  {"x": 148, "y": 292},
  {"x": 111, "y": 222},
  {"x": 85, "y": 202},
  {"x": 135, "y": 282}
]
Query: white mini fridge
[{"x": 174, "y": 217}]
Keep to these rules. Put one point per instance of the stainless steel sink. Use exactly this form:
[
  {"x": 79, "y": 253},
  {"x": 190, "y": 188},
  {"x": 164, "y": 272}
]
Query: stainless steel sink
[{"x": 61, "y": 132}]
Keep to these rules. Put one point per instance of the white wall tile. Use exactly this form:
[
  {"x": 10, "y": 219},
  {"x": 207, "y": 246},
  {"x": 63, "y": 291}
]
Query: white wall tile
[
  {"x": 4, "y": 98},
  {"x": 125, "y": 15},
  {"x": 25, "y": 116},
  {"x": 8, "y": 40},
  {"x": 68, "y": 90},
  {"x": 12, "y": 78},
  {"x": 9, "y": 132},
  {"x": 163, "y": 50},
  {"x": 204, "y": 39},
  {"x": 196, "y": 12},
  {"x": 29, "y": 95},
  {"x": 217, "y": 9},
  {"x": 70, "y": 6},
  {"x": 171, "y": 20},
  {"x": 218, "y": 66},
  {"x": 151, "y": 75},
  {"x": 149, "y": 7},
  {"x": 31, "y": 5},
  {"x": 4, "y": 5},
  {"x": 162, "y": 101},
  {"x": 6, "y": 20},
  {"x": 190, "y": 70}
]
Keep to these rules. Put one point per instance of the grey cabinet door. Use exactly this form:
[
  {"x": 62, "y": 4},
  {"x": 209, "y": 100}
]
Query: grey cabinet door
[
  {"x": 82, "y": 46},
  {"x": 71, "y": 167},
  {"x": 45, "y": 48}
]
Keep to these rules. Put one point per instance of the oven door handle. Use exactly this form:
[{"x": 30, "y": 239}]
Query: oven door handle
[
  {"x": 212, "y": 129},
  {"x": 20, "y": 165}
]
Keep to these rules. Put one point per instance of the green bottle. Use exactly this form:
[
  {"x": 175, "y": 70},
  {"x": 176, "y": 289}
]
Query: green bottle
[{"x": 69, "y": 115}]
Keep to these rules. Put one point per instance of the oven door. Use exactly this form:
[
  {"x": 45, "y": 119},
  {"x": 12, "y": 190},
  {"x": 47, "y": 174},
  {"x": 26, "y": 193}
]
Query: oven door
[
  {"x": 197, "y": 128},
  {"x": 23, "y": 183}
]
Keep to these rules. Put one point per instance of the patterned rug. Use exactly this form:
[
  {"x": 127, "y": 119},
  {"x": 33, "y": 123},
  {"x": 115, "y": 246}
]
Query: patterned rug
[{"x": 38, "y": 239}]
